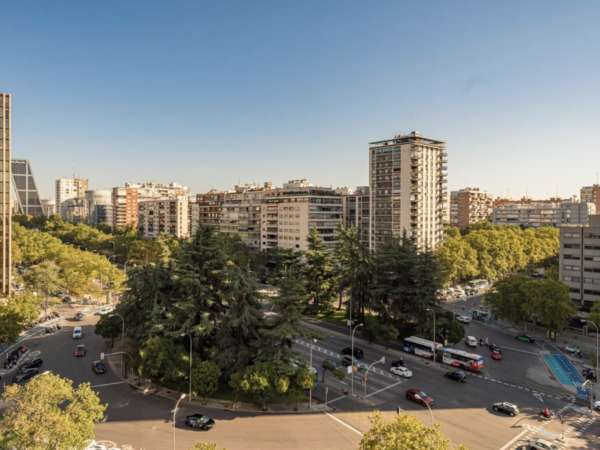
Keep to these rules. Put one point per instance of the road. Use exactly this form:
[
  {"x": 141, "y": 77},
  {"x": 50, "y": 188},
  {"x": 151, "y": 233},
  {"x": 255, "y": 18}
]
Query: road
[{"x": 143, "y": 421}]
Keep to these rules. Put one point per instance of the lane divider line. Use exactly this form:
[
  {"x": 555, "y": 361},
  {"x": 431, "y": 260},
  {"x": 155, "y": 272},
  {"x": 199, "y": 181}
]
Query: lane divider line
[{"x": 109, "y": 384}]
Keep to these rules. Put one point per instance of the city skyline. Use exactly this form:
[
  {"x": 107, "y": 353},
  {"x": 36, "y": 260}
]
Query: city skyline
[{"x": 299, "y": 92}]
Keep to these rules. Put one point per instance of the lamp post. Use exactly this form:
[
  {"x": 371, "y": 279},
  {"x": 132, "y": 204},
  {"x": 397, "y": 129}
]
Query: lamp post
[
  {"x": 597, "y": 332},
  {"x": 352, "y": 356},
  {"x": 175, "y": 417},
  {"x": 434, "y": 342},
  {"x": 310, "y": 370},
  {"x": 366, "y": 377},
  {"x": 190, "y": 377}
]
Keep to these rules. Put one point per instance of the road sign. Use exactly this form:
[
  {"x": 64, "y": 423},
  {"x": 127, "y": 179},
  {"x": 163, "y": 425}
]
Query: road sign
[{"x": 101, "y": 355}]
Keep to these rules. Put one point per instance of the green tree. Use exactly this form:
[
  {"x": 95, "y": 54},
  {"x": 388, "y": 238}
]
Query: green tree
[
  {"x": 205, "y": 378},
  {"x": 595, "y": 314},
  {"x": 44, "y": 278},
  {"x": 68, "y": 414},
  {"x": 109, "y": 327},
  {"x": 11, "y": 325},
  {"x": 162, "y": 360},
  {"x": 403, "y": 432},
  {"x": 26, "y": 305},
  {"x": 510, "y": 300},
  {"x": 553, "y": 304},
  {"x": 319, "y": 272},
  {"x": 205, "y": 446}
]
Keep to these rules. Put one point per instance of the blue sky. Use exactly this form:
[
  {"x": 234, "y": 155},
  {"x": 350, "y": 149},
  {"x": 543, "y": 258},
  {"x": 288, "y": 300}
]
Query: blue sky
[{"x": 211, "y": 94}]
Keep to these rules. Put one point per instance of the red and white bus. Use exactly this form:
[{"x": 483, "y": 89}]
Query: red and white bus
[{"x": 461, "y": 359}]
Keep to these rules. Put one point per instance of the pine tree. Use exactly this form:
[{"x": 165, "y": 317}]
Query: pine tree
[{"x": 319, "y": 272}]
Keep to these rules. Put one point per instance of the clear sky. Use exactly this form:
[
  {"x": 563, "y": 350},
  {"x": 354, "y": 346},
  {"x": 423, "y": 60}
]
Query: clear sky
[{"x": 210, "y": 94}]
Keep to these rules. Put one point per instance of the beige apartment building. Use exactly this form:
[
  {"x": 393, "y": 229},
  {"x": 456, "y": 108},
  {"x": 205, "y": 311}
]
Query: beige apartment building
[
  {"x": 241, "y": 213},
  {"x": 169, "y": 216},
  {"x": 206, "y": 211},
  {"x": 67, "y": 189},
  {"x": 407, "y": 182},
  {"x": 591, "y": 194},
  {"x": 469, "y": 206},
  {"x": 289, "y": 213},
  {"x": 538, "y": 213},
  {"x": 579, "y": 264},
  {"x": 5, "y": 195}
]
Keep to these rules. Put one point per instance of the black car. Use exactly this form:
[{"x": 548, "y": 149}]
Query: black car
[
  {"x": 398, "y": 363},
  {"x": 36, "y": 362},
  {"x": 199, "y": 422},
  {"x": 78, "y": 317},
  {"x": 456, "y": 375},
  {"x": 29, "y": 373},
  {"x": 494, "y": 348},
  {"x": 358, "y": 352},
  {"x": 98, "y": 367},
  {"x": 507, "y": 408},
  {"x": 589, "y": 374}
]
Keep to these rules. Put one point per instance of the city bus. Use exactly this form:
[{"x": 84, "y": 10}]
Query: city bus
[
  {"x": 462, "y": 359},
  {"x": 421, "y": 347}
]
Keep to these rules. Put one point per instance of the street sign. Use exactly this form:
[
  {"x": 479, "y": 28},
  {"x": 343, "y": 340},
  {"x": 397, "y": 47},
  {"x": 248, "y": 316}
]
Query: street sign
[{"x": 101, "y": 355}]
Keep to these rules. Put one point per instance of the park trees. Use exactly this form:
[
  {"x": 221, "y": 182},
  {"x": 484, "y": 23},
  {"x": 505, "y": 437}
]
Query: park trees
[
  {"x": 48, "y": 413},
  {"x": 319, "y": 273},
  {"x": 404, "y": 432},
  {"x": 205, "y": 378}
]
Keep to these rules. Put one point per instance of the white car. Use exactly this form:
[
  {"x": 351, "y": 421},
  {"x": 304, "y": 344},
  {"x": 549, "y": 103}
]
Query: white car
[
  {"x": 542, "y": 444},
  {"x": 597, "y": 405},
  {"x": 463, "y": 319},
  {"x": 401, "y": 371}
]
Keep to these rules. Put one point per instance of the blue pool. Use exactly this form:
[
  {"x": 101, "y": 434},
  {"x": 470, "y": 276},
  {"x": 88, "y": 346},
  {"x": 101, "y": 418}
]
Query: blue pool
[{"x": 564, "y": 371}]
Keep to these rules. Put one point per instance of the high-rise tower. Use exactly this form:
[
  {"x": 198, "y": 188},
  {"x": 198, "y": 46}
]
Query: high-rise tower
[{"x": 5, "y": 194}]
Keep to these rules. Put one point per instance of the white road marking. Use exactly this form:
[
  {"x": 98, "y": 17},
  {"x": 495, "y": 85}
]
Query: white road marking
[
  {"x": 336, "y": 399},
  {"x": 385, "y": 388},
  {"x": 341, "y": 422},
  {"x": 109, "y": 384},
  {"x": 515, "y": 439}
]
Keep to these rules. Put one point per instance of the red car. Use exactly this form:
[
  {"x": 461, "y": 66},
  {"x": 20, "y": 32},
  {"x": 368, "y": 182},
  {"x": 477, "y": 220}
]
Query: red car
[
  {"x": 420, "y": 397},
  {"x": 497, "y": 355},
  {"x": 80, "y": 351}
]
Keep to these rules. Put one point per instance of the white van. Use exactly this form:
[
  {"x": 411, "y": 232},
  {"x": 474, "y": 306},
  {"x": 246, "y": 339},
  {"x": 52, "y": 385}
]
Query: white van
[
  {"x": 77, "y": 333},
  {"x": 471, "y": 341}
]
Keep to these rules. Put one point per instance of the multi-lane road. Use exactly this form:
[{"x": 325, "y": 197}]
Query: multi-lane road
[{"x": 462, "y": 410}]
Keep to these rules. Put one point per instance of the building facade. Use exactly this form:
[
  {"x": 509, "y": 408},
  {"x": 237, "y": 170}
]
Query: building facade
[
  {"x": 208, "y": 209},
  {"x": 469, "y": 206},
  {"x": 27, "y": 198},
  {"x": 167, "y": 215},
  {"x": 99, "y": 207},
  {"x": 124, "y": 207},
  {"x": 530, "y": 213},
  {"x": 357, "y": 210},
  {"x": 289, "y": 213},
  {"x": 407, "y": 182},
  {"x": 67, "y": 189},
  {"x": 579, "y": 263},
  {"x": 241, "y": 213},
  {"x": 591, "y": 194},
  {"x": 5, "y": 194}
]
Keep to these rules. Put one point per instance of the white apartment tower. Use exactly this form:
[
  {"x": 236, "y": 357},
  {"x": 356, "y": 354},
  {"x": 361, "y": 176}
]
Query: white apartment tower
[
  {"x": 67, "y": 189},
  {"x": 407, "y": 181}
]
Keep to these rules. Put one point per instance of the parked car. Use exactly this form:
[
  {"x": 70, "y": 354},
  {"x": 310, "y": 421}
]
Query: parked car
[
  {"x": 589, "y": 374},
  {"x": 456, "y": 375},
  {"x": 98, "y": 367},
  {"x": 199, "y": 421},
  {"x": 80, "y": 351},
  {"x": 28, "y": 374},
  {"x": 66, "y": 299},
  {"x": 105, "y": 310},
  {"x": 401, "y": 371},
  {"x": 507, "y": 408},
  {"x": 420, "y": 397},
  {"x": 597, "y": 405},
  {"x": 35, "y": 362},
  {"x": 77, "y": 333},
  {"x": 358, "y": 352},
  {"x": 13, "y": 357},
  {"x": 79, "y": 316},
  {"x": 541, "y": 444},
  {"x": 463, "y": 319},
  {"x": 525, "y": 338}
]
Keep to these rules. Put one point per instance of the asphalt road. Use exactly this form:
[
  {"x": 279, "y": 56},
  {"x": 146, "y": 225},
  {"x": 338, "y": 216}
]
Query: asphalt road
[{"x": 143, "y": 422}]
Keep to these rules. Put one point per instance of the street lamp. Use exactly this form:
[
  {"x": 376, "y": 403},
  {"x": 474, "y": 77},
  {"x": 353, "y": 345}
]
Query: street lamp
[
  {"x": 366, "y": 377},
  {"x": 190, "y": 380},
  {"x": 597, "y": 332},
  {"x": 352, "y": 356},
  {"x": 310, "y": 370},
  {"x": 434, "y": 342},
  {"x": 175, "y": 417}
]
